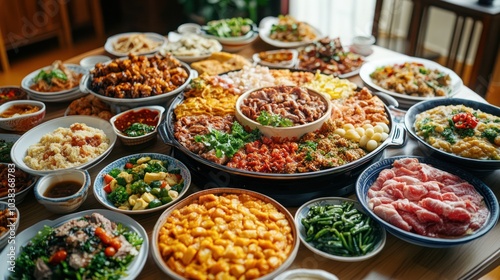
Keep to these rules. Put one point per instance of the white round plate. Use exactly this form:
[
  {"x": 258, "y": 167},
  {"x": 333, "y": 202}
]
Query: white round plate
[
  {"x": 134, "y": 267},
  {"x": 407, "y": 101},
  {"x": 265, "y": 29},
  {"x": 173, "y": 163},
  {"x": 174, "y": 37},
  {"x": 302, "y": 213},
  {"x": 34, "y": 135},
  {"x": 28, "y": 81},
  {"x": 69, "y": 96},
  {"x": 285, "y": 64},
  {"x": 108, "y": 46}
]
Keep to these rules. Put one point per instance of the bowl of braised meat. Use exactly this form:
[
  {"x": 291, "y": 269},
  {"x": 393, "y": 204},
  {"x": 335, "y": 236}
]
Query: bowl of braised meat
[
  {"x": 283, "y": 111},
  {"x": 427, "y": 202},
  {"x": 138, "y": 80}
]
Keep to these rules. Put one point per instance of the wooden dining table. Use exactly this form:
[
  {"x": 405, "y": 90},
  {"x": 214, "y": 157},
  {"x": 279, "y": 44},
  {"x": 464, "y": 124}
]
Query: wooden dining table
[{"x": 397, "y": 260}]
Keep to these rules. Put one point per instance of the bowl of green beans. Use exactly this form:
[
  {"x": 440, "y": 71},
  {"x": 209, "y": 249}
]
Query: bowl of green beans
[{"x": 338, "y": 228}]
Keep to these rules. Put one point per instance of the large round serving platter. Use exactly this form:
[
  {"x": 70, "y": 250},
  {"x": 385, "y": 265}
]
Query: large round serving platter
[
  {"x": 265, "y": 26},
  {"x": 288, "y": 189},
  {"x": 134, "y": 268},
  {"x": 466, "y": 163},
  {"x": 404, "y": 100},
  {"x": 155, "y": 37},
  {"x": 34, "y": 135},
  {"x": 119, "y": 104}
]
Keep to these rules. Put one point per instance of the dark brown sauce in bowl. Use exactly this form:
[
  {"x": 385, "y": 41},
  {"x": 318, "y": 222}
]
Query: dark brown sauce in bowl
[{"x": 62, "y": 189}]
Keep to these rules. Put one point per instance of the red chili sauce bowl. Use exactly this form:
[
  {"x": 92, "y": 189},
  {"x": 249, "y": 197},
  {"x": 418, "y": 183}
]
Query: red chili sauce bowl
[
  {"x": 149, "y": 115},
  {"x": 9, "y": 93}
]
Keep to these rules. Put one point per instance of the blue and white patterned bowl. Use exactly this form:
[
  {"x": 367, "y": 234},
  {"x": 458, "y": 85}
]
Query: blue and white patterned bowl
[
  {"x": 173, "y": 163},
  {"x": 65, "y": 204},
  {"x": 368, "y": 177}
]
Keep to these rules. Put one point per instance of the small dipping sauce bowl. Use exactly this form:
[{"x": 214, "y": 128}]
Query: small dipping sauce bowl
[
  {"x": 129, "y": 125},
  {"x": 64, "y": 191},
  {"x": 362, "y": 45},
  {"x": 90, "y": 61}
]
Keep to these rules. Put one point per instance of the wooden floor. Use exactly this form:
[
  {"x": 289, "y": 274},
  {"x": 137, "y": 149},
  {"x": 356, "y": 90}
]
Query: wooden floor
[{"x": 28, "y": 59}]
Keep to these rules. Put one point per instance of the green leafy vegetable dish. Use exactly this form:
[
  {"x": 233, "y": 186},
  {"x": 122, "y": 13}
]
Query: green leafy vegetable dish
[
  {"x": 89, "y": 247},
  {"x": 228, "y": 28},
  {"x": 5, "y": 147},
  {"x": 143, "y": 183}
]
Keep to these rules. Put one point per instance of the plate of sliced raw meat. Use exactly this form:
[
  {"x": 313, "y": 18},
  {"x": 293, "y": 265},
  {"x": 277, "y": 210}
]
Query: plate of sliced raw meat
[{"x": 427, "y": 202}]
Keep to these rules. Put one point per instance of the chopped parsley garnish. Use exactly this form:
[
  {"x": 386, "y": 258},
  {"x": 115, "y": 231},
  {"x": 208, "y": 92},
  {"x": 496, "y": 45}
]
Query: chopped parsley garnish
[
  {"x": 275, "y": 120},
  {"x": 227, "y": 144},
  {"x": 491, "y": 133},
  {"x": 426, "y": 128}
]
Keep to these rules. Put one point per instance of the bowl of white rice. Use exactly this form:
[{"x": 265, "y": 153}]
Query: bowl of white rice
[{"x": 72, "y": 142}]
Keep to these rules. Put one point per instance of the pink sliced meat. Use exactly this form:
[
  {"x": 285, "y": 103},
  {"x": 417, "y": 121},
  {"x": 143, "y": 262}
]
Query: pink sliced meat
[
  {"x": 448, "y": 229},
  {"x": 414, "y": 192},
  {"x": 376, "y": 201},
  {"x": 423, "y": 215},
  {"x": 394, "y": 188},
  {"x": 421, "y": 198},
  {"x": 414, "y": 222},
  {"x": 443, "y": 209},
  {"x": 383, "y": 176},
  {"x": 432, "y": 186},
  {"x": 444, "y": 177},
  {"x": 461, "y": 188},
  {"x": 388, "y": 213}
]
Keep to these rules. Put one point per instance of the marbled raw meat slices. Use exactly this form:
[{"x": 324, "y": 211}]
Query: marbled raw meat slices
[{"x": 419, "y": 198}]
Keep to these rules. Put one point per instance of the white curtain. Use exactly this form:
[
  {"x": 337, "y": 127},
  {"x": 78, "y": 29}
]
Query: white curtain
[{"x": 336, "y": 18}]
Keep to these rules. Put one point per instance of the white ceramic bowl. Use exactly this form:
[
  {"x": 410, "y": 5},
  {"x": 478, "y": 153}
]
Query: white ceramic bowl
[
  {"x": 131, "y": 141},
  {"x": 283, "y": 132},
  {"x": 193, "y": 198},
  {"x": 24, "y": 183},
  {"x": 235, "y": 44},
  {"x": 11, "y": 225},
  {"x": 64, "y": 204},
  {"x": 302, "y": 213},
  {"x": 90, "y": 61},
  {"x": 187, "y": 28},
  {"x": 23, "y": 122},
  {"x": 303, "y": 273},
  {"x": 99, "y": 183},
  {"x": 34, "y": 135}
]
